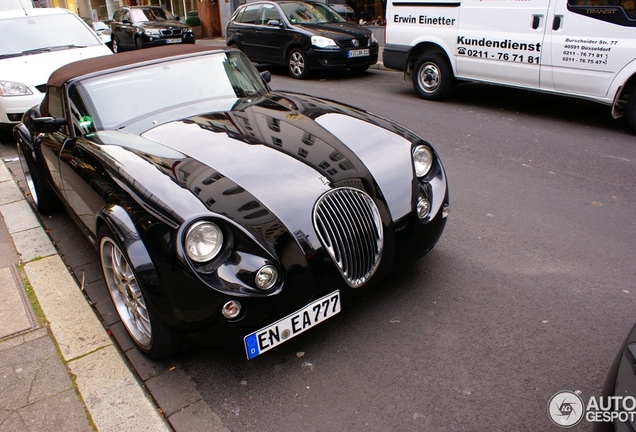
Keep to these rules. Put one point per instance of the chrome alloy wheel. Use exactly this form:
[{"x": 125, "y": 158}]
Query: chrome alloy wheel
[
  {"x": 27, "y": 175},
  {"x": 124, "y": 290},
  {"x": 429, "y": 77},
  {"x": 297, "y": 63}
]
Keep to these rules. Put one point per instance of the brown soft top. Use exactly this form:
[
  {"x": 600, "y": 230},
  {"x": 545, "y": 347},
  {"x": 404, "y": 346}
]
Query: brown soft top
[{"x": 96, "y": 64}]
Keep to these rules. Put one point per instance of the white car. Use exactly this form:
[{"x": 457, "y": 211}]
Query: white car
[{"x": 34, "y": 43}]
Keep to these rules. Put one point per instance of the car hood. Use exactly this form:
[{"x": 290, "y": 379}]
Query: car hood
[
  {"x": 34, "y": 69},
  {"x": 162, "y": 24},
  {"x": 280, "y": 154},
  {"x": 337, "y": 30}
]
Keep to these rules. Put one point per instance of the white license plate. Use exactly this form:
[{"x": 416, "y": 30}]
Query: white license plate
[
  {"x": 357, "y": 53},
  {"x": 292, "y": 325},
  {"x": 171, "y": 41}
]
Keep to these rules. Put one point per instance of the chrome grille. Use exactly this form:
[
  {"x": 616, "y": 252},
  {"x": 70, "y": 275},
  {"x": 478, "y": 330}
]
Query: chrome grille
[{"x": 349, "y": 226}]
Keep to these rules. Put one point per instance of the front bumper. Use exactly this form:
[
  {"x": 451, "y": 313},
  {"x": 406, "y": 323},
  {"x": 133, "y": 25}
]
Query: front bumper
[
  {"x": 148, "y": 41},
  {"x": 13, "y": 107},
  {"x": 337, "y": 59}
]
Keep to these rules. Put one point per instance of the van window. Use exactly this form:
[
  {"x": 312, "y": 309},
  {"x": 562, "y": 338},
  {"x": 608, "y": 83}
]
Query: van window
[{"x": 622, "y": 12}]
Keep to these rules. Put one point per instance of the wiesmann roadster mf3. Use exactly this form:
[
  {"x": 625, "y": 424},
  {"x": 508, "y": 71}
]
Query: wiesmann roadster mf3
[{"x": 221, "y": 209}]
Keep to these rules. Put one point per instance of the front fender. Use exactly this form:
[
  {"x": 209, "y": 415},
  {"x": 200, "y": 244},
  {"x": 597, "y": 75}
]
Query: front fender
[{"x": 123, "y": 227}]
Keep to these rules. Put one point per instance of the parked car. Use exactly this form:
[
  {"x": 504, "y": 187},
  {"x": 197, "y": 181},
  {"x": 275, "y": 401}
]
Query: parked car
[
  {"x": 33, "y": 43},
  {"x": 136, "y": 27},
  {"x": 620, "y": 385},
  {"x": 303, "y": 36},
  {"x": 102, "y": 30},
  {"x": 227, "y": 210}
]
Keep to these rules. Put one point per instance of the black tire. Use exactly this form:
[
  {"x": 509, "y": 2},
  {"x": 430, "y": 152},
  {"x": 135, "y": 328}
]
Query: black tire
[
  {"x": 138, "y": 43},
  {"x": 151, "y": 335},
  {"x": 630, "y": 110},
  {"x": 115, "y": 45},
  {"x": 433, "y": 77},
  {"x": 297, "y": 64},
  {"x": 6, "y": 136},
  {"x": 45, "y": 200}
]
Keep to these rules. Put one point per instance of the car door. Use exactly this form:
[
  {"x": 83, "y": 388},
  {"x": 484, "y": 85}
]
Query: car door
[
  {"x": 591, "y": 44},
  {"x": 126, "y": 30},
  {"x": 270, "y": 35},
  {"x": 502, "y": 41}
]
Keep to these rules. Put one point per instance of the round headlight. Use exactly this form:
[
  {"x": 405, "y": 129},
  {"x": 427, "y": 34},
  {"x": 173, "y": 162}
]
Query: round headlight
[
  {"x": 203, "y": 241},
  {"x": 422, "y": 160},
  {"x": 266, "y": 277}
]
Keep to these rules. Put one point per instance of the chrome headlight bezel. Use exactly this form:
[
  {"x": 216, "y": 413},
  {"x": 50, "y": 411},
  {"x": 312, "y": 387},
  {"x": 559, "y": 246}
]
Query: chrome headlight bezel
[
  {"x": 203, "y": 241},
  {"x": 152, "y": 33},
  {"x": 422, "y": 160}
]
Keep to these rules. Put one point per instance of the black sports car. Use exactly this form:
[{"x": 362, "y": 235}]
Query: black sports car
[{"x": 221, "y": 209}]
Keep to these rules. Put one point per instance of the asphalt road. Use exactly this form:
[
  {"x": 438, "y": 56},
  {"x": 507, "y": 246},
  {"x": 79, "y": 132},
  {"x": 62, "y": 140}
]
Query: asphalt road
[{"x": 530, "y": 291}]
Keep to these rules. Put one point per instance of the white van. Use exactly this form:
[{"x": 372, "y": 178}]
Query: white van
[
  {"x": 581, "y": 48},
  {"x": 33, "y": 43}
]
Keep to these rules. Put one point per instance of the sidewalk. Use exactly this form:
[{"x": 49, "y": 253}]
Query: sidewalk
[{"x": 59, "y": 369}]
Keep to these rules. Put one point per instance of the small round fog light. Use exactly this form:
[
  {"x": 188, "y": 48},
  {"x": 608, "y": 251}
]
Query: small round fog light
[
  {"x": 266, "y": 277},
  {"x": 423, "y": 208},
  {"x": 231, "y": 309}
]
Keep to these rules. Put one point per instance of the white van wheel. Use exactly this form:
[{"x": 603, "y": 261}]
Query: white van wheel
[{"x": 433, "y": 77}]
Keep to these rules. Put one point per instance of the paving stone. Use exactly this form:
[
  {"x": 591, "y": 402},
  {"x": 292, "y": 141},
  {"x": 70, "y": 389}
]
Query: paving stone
[{"x": 165, "y": 386}]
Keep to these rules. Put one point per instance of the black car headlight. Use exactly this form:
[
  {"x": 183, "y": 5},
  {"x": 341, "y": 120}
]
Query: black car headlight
[
  {"x": 203, "y": 241},
  {"x": 152, "y": 33},
  {"x": 422, "y": 160},
  {"x": 323, "y": 42}
]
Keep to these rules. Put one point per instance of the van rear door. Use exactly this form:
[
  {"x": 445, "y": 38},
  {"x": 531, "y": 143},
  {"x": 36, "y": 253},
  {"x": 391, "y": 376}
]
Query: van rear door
[
  {"x": 590, "y": 45},
  {"x": 502, "y": 41}
]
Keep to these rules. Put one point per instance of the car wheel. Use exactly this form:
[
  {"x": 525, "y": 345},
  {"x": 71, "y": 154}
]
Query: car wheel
[
  {"x": 43, "y": 196},
  {"x": 146, "y": 329},
  {"x": 138, "y": 43},
  {"x": 297, "y": 64},
  {"x": 433, "y": 77},
  {"x": 115, "y": 46},
  {"x": 630, "y": 112}
]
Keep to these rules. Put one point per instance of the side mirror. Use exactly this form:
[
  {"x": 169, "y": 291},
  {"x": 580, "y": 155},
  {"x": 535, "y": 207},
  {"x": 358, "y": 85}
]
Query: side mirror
[
  {"x": 274, "y": 23},
  {"x": 267, "y": 77},
  {"x": 48, "y": 124},
  {"x": 126, "y": 21}
]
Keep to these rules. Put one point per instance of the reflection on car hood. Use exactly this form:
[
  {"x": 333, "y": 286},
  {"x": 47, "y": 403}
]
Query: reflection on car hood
[
  {"x": 35, "y": 69},
  {"x": 337, "y": 30},
  {"x": 162, "y": 24},
  {"x": 288, "y": 150}
]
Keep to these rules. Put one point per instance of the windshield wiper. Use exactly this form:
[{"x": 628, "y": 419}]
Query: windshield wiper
[
  {"x": 50, "y": 49},
  {"x": 2, "y": 56}
]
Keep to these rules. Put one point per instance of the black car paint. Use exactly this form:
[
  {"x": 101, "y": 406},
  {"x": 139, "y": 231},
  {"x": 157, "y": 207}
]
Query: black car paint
[
  {"x": 272, "y": 43},
  {"x": 133, "y": 180},
  {"x": 125, "y": 34}
]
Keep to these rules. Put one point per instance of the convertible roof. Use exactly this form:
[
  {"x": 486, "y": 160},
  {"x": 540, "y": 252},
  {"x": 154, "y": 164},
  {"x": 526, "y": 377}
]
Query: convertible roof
[{"x": 115, "y": 61}]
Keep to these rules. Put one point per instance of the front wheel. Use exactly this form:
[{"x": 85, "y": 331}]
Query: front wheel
[
  {"x": 138, "y": 43},
  {"x": 45, "y": 200},
  {"x": 433, "y": 77},
  {"x": 297, "y": 64},
  {"x": 630, "y": 112},
  {"x": 153, "y": 337},
  {"x": 115, "y": 45}
]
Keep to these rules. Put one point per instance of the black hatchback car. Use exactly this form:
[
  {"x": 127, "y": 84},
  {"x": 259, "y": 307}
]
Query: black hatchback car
[
  {"x": 135, "y": 27},
  {"x": 301, "y": 35}
]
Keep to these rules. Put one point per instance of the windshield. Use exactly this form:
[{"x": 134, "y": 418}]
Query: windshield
[
  {"x": 35, "y": 34},
  {"x": 150, "y": 14},
  {"x": 310, "y": 13},
  {"x": 121, "y": 98}
]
